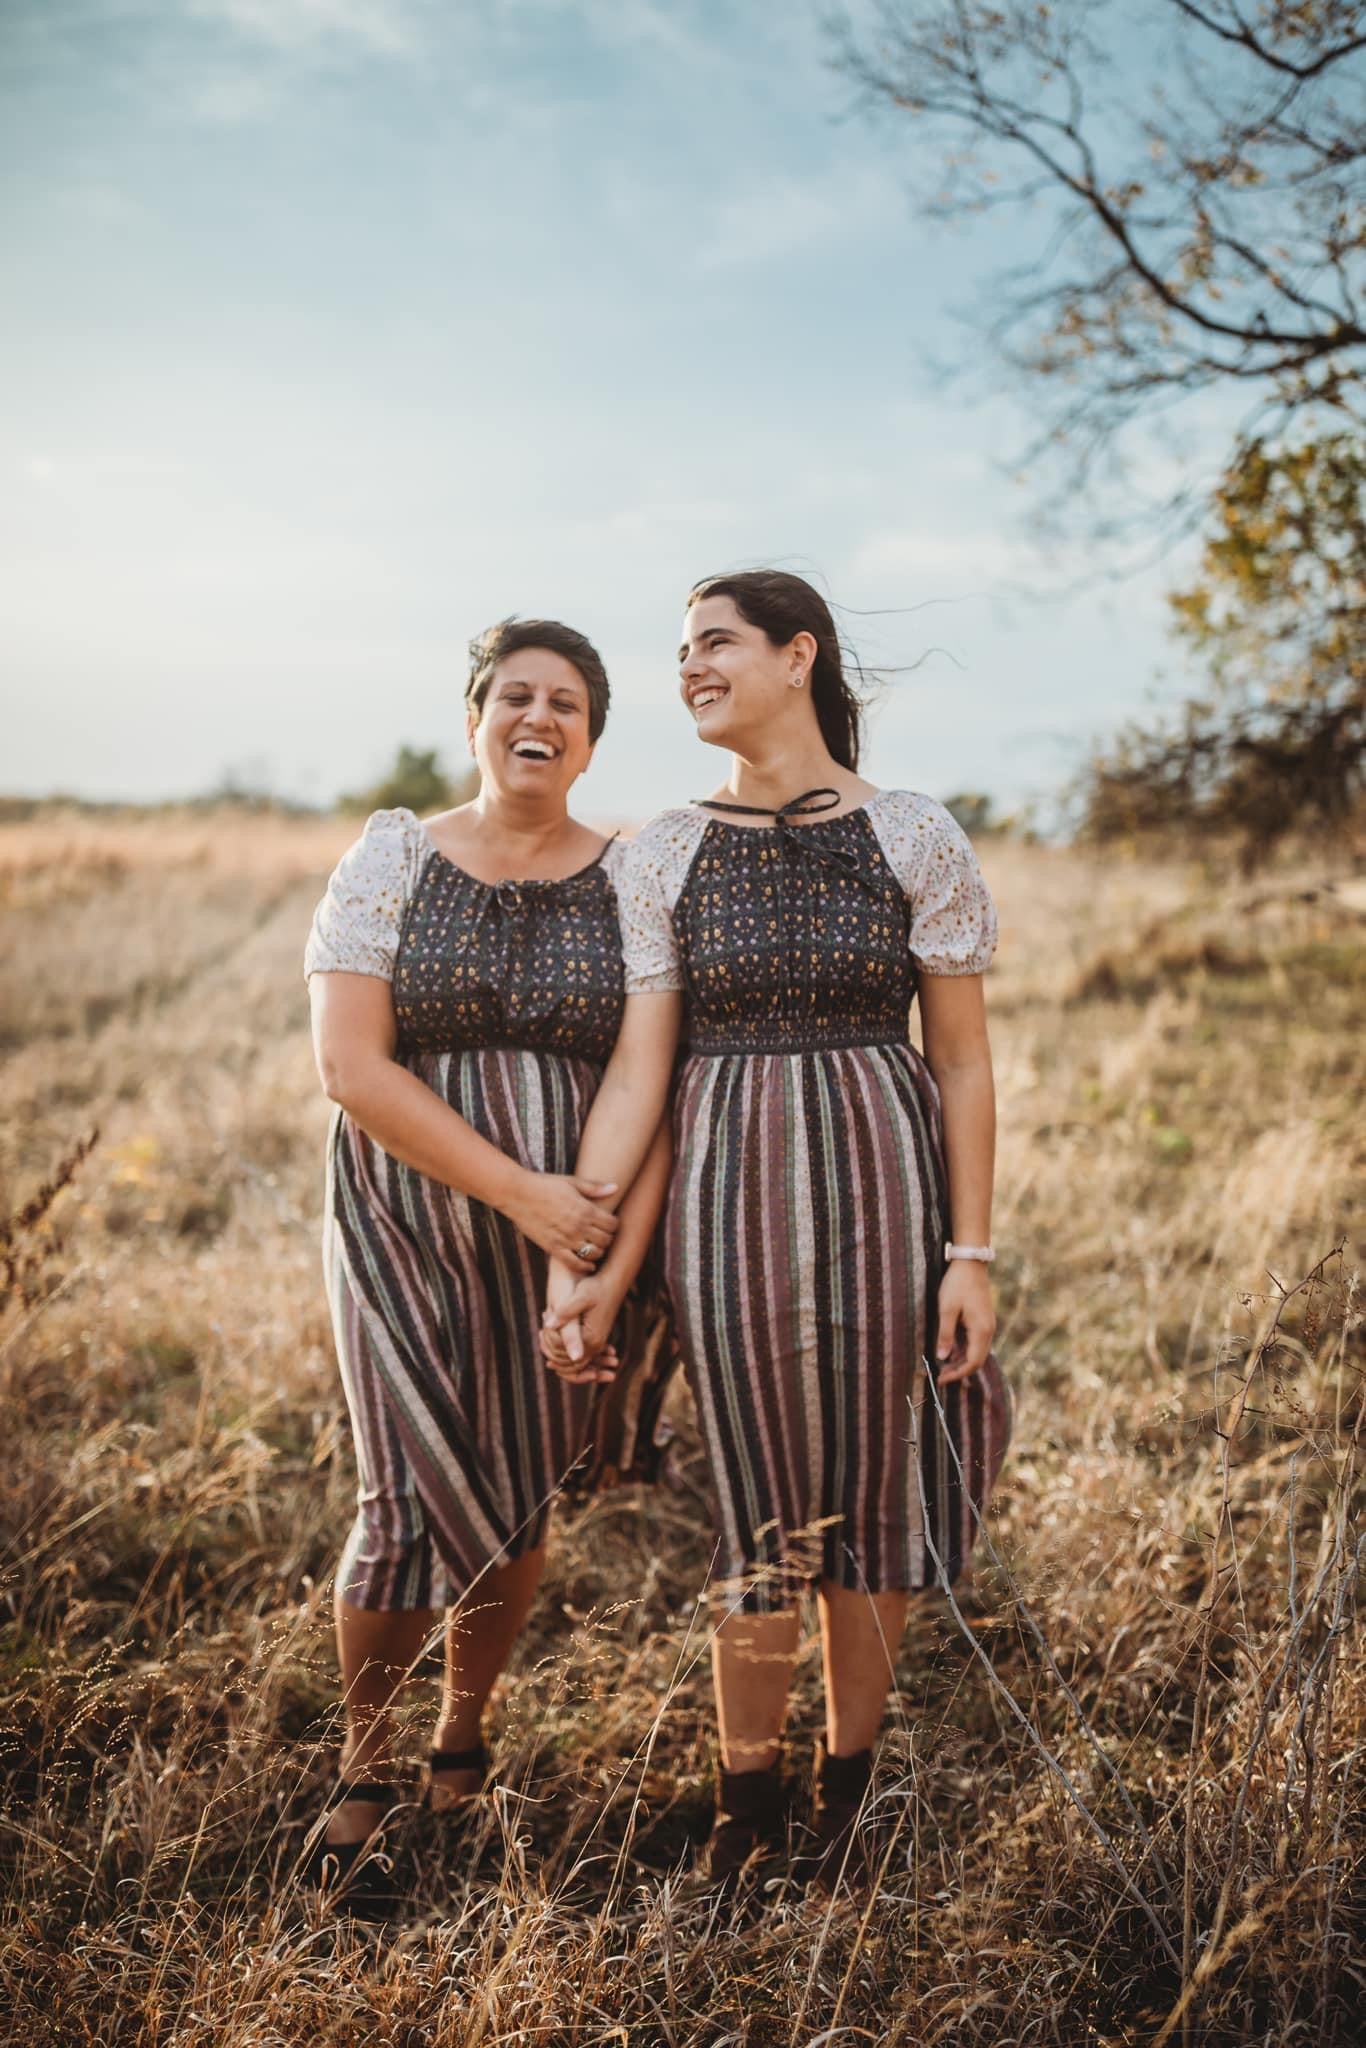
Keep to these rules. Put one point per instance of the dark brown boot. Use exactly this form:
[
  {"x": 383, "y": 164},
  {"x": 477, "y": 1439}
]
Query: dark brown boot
[
  {"x": 839, "y": 1852},
  {"x": 749, "y": 1818}
]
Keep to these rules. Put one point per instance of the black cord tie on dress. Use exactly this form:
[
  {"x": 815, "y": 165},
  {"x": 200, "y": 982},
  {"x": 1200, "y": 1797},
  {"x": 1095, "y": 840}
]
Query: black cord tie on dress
[
  {"x": 803, "y": 806},
  {"x": 811, "y": 803}
]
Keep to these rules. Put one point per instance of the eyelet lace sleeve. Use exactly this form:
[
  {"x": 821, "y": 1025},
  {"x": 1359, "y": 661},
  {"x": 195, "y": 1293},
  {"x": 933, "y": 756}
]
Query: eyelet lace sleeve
[
  {"x": 356, "y": 926},
  {"x": 953, "y": 919},
  {"x": 654, "y": 869}
]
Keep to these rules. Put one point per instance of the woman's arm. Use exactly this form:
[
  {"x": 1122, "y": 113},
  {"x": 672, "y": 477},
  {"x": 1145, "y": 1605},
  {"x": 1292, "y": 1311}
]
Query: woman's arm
[
  {"x": 623, "y": 1126},
  {"x": 580, "y": 1312},
  {"x": 634, "y": 1091},
  {"x": 953, "y": 1017},
  {"x": 354, "y": 1040}
]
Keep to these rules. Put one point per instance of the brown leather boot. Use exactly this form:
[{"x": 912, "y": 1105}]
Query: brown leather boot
[
  {"x": 839, "y": 1852},
  {"x": 749, "y": 1818}
]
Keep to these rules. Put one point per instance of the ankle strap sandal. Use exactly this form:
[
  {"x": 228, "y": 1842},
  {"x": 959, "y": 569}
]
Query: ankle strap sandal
[
  {"x": 352, "y": 1869},
  {"x": 476, "y": 1759},
  {"x": 464, "y": 1804}
]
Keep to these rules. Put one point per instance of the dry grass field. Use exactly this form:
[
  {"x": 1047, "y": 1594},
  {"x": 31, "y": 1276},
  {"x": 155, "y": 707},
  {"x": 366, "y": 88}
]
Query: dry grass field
[{"x": 1125, "y": 1772}]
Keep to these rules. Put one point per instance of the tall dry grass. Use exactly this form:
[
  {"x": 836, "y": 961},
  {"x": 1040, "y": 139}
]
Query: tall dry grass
[{"x": 1122, "y": 1775}]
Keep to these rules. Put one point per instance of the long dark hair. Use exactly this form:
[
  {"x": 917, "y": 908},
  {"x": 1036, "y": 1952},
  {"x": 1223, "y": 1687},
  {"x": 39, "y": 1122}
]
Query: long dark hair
[{"x": 782, "y": 605}]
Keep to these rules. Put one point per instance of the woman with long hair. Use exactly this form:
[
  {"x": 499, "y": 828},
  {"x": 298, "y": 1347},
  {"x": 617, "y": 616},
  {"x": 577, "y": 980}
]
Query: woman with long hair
[
  {"x": 827, "y": 1231},
  {"x": 466, "y": 981}
]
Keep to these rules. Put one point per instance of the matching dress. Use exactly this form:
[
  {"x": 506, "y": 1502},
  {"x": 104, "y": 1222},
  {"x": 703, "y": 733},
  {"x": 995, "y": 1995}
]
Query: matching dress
[
  {"x": 804, "y": 1232},
  {"x": 808, "y": 1211},
  {"x": 508, "y": 999}
]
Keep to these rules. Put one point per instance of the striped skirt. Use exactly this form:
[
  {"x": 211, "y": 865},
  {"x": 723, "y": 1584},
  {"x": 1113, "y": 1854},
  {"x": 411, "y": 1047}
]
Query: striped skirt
[
  {"x": 803, "y": 1249},
  {"x": 462, "y": 1434}
]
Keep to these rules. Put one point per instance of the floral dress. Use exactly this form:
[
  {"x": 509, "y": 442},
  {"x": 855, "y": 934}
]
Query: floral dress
[
  {"x": 807, "y": 1215},
  {"x": 508, "y": 999}
]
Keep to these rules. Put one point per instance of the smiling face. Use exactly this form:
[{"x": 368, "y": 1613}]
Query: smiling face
[
  {"x": 530, "y": 737},
  {"x": 733, "y": 679}
]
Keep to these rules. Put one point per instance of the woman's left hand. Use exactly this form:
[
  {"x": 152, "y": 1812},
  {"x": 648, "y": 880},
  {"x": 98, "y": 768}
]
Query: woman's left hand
[
  {"x": 577, "y": 1325},
  {"x": 967, "y": 1319}
]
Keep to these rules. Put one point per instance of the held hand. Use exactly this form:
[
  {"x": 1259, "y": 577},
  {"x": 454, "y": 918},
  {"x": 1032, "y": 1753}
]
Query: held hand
[
  {"x": 577, "y": 1326},
  {"x": 967, "y": 1320},
  {"x": 565, "y": 1216}
]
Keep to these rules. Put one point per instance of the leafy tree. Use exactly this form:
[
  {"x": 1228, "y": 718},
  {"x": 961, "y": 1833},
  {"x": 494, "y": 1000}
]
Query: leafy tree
[
  {"x": 1279, "y": 612},
  {"x": 1195, "y": 175},
  {"x": 416, "y": 782},
  {"x": 1196, "y": 178}
]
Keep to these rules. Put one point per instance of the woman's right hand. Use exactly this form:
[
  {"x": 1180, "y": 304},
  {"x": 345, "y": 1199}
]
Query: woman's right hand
[
  {"x": 563, "y": 1214},
  {"x": 576, "y": 1328}
]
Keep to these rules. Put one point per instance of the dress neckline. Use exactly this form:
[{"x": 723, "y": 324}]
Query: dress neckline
[
  {"x": 797, "y": 813},
  {"x": 516, "y": 881}
]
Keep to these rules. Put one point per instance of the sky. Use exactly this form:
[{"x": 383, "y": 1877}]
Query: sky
[{"x": 335, "y": 330}]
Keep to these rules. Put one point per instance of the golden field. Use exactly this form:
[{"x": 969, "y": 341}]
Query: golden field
[{"x": 1125, "y": 1775}]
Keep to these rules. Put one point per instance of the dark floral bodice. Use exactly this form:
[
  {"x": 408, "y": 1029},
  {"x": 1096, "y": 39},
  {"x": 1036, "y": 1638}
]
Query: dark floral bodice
[
  {"x": 532, "y": 965},
  {"x": 794, "y": 939}
]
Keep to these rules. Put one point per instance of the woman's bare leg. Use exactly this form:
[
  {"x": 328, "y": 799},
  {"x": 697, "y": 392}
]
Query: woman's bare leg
[
  {"x": 860, "y": 1633},
  {"x": 751, "y": 1662},
  {"x": 376, "y": 1651},
  {"x": 479, "y": 1640}
]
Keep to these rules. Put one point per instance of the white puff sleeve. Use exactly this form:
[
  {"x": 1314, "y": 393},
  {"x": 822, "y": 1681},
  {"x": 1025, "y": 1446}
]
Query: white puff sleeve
[
  {"x": 647, "y": 887},
  {"x": 356, "y": 926},
  {"x": 953, "y": 919}
]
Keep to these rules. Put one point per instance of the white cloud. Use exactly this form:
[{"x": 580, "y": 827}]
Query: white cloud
[{"x": 386, "y": 27}]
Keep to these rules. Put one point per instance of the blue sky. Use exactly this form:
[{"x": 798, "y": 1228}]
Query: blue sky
[{"x": 336, "y": 329}]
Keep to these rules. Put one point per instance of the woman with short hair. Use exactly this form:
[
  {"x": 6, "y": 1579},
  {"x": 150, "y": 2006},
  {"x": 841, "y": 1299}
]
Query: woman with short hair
[{"x": 465, "y": 974}]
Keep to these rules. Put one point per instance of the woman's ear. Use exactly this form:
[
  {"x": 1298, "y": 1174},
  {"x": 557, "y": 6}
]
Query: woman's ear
[{"x": 471, "y": 727}]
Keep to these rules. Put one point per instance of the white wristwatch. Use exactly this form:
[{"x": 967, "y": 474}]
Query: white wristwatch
[{"x": 985, "y": 1252}]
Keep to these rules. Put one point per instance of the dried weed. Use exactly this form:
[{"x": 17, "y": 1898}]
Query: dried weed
[{"x": 1122, "y": 1771}]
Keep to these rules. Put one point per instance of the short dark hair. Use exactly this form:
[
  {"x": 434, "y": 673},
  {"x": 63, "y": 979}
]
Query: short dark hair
[
  {"x": 513, "y": 636},
  {"x": 783, "y": 605}
]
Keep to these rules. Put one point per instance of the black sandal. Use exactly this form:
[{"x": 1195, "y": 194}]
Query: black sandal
[
  {"x": 352, "y": 1868},
  {"x": 475, "y": 1759}
]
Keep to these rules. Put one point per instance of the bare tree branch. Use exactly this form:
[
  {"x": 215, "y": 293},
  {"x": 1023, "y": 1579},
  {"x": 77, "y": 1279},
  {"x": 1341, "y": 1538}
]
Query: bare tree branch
[
  {"x": 1207, "y": 169},
  {"x": 1244, "y": 35}
]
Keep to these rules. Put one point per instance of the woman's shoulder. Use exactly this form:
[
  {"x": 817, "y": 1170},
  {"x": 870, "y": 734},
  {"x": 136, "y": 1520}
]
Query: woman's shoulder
[
  {"x": 680, "y": 825},
  {"x": 915, "y": 831},
  {"x": 612, "y": 857},
  {"x": 356, "y": 925},
  {"x": 914, "y": 818},
  {"x": 393, "y": 846},
  {"x": 910, "y": 807},
  {"x": 656, "y": 863},
  {"x": 395, "y": 828}
]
